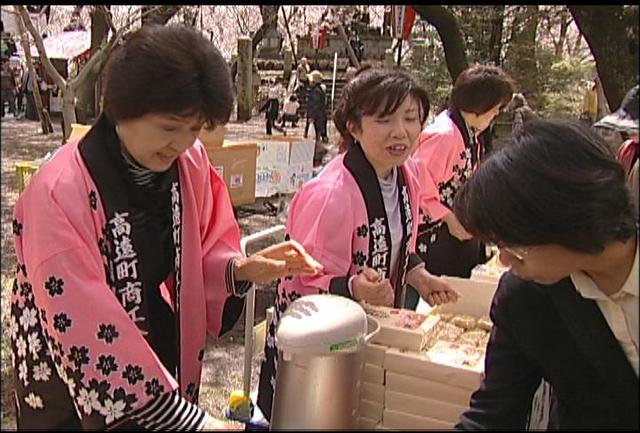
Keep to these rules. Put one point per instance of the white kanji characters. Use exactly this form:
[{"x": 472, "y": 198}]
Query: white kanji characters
[
  {"x": 124, "y": 249},
  {"x": 127, "y": 269},
  {"x": 131, "y": 292},
  {"x": 120, "y": 225}
]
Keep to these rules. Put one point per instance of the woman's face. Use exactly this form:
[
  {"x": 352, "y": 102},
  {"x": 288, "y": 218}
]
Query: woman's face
[
  {"x": 156, "y": 140},
  {"x": 387, "y": 141},
  {"x": 481, "y": 121}
]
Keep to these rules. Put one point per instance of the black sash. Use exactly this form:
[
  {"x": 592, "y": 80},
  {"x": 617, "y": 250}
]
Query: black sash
[
  {"x": 470, "y": 141},
  {"x": 141, "y": 242},
  {"x": 379, "y": 256}
]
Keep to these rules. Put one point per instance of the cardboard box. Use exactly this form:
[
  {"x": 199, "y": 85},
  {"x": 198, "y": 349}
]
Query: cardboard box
[
  {"x": 371, "y": 410},
  {"x": 401, "y": 328},
  {"x": 235, "y": 162},
  {"x": 420, "y": 366},
  {"x": 372, "y": 374},
  {"x": 407, "y": 403},
  {"x": 284, "y": 164},
  {"x": 393, "y": 419},
  {"x": 374, "y": 353},
  {"x": 426, "y": 388},
  {"x": 212, "y": 137},
  {"x": 372, "y": 392}
]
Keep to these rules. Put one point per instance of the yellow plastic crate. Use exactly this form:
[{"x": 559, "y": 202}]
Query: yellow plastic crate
[{"x": 24, "y": 171}]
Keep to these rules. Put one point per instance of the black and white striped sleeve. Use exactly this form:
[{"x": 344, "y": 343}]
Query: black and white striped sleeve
[
  {"x": 236, "y": 288},
  {"x": 169, "y": 412}
]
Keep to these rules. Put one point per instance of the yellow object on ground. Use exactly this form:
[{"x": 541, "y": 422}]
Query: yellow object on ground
[
  {"x": 240, "y": 405},
  {"x": 24, "y": 171}
]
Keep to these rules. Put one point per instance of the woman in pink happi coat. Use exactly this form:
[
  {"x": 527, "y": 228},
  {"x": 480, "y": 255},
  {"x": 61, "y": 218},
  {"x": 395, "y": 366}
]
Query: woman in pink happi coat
[
  {"x": 128, "y": 251},
  {"x": 448, "y": 152},
  {"x": 358, "y": 216}
]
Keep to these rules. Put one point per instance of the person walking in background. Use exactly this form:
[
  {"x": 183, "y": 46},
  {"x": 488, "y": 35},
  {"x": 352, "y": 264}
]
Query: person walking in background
[
  {"x": 290, "y": 111},
  {"x": 271, "y": 109},
  {"x": 8, "y": 87},
  {"x": 448, "y": 153},
  {"x": 522, "y": 112}
]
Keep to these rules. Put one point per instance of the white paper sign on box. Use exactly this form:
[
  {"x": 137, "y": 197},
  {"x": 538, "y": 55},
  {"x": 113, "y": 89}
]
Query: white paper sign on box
[
  {"x": 284, "y": 163},
  {"x": 429, "y": 408},
  {"x": 426, "y": 388},
  {"x": 393, "y": 419}
]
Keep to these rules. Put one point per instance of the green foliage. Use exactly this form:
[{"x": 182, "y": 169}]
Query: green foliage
[
  {"x": 563, "y": 84},
  {"x": 435, "y": 77}
]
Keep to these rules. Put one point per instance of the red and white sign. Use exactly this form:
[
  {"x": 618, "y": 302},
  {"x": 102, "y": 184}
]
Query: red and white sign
[
  {"x": 318, "y": 36},
  {"x": 402, "y": 18}
]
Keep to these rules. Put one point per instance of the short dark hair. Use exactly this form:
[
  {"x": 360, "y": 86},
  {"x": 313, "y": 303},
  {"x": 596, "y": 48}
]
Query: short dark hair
[
  {"x": 167, "y": 69},
  {"x": 375, "y": 91},
  {"x": 480, "y": 88},
  {"x": 553, "y": 182}
]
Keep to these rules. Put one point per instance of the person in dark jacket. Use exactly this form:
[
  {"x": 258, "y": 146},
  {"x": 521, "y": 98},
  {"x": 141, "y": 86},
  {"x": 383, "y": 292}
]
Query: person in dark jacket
[
  {"x": 555, "y": 202},
  {"x": 271, "y": 109}
]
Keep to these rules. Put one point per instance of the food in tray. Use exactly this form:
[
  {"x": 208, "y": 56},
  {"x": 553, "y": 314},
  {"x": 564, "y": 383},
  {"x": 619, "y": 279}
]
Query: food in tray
[
  {"x": 485, "y": 340},
  {"x": 485, "y": 323},
  {"x": 447, "y": 332},
  {"x": 401, "y": 318},
  {"x": 409, "y": 320},
  {"x": 463, "y": 321},
  {"x": 472, "y": 337},
  {"x": 446, "y": 317},
  {"x": 455, "y": 354}
]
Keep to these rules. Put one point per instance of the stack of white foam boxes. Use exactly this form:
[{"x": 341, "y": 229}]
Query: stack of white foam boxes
[{"x": 401, "y": 388}]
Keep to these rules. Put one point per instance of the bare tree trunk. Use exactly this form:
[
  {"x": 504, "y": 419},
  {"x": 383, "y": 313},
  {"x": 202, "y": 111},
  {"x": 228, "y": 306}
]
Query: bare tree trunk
[
  {"x": 86, "y": 107},
  {"x": 495, "y": 41},
  {"x": 520, "y": 58},
  {"x": 158, "y": 14},
  {"x": 447, "y": 26},
  {"x": 69, "y": 87},
  {"x": 612, "y": 34},
  {"x": 286, "y": 25},
  {"x": 269, "y": 17},
  {"x": 345, "y": 40},
  {"x": 565, "y": 20},
  {"x": 45, "y": 121}
]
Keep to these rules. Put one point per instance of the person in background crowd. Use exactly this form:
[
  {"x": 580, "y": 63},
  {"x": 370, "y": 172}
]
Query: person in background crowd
[
  {"x": 522, "y": 112},
  {"x": 290, "y": 111},
  {"x": 358, "y": 216},
  {"x": 555, "y": 202},
  {"x": 128, "y": 251},
  {"x": 271, "y": 109},
  {"x": 448, "y": 153},
  {"x": 625, "y": 121},
  {"x": 8, "y": 87},
  {"x": 317, "y": 113}
]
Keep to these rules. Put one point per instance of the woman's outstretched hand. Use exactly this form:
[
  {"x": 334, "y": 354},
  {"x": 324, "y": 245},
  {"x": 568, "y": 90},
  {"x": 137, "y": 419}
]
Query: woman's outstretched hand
[{"x": 277, "y": 261}]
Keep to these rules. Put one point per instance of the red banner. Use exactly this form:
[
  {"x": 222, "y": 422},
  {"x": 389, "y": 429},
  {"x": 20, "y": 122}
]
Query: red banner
[
  {"x": 402, "y": 18},
  {"x": 318, "y": 37}
]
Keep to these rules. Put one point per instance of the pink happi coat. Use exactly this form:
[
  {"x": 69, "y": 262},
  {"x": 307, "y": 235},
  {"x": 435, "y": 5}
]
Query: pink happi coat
[
  {"x": 445, "y": 164},
  {"x": 334, "y": 217},
  {"x": 73, "y": 320}
]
